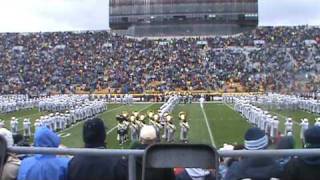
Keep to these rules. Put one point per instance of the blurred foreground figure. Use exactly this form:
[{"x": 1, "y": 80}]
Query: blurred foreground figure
[
  {"x": 254, "y": 167},
  {"x": 305, "y": 168},
  {"x": 92, "y": 167},
  {"x": 12, "y": 162},
  {"x": 148, "y": 136},
  {"x": 44, "y": 166}
]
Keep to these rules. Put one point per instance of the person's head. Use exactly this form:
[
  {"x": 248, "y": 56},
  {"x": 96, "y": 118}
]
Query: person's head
[
  {"x": 94, "y": 133},
  {"x": 44, "y": 137},
  {"x": 238, "y": 147},
  {"x": 148, "y": 135},
  {"x": 255, "y": 139},
  {"x": 286, "y": 142},
  {"x": 7, "y": 135},
  {"x": 312, "y": 137}
]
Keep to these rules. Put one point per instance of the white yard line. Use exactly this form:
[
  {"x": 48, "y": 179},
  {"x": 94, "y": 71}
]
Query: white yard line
[
  {"x": 228, "y": 106},
  {"x": 207, "y": 123},
  {"x": 112, "y": 129},
  {"x": 115, "y": 127}
]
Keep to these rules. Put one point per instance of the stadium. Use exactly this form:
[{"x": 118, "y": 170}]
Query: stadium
[{"x": 190, "y": 89}]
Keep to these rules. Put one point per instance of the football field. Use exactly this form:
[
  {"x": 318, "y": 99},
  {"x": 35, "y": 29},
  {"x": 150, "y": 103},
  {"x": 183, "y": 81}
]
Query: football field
[{"x": 214, "y": 124}]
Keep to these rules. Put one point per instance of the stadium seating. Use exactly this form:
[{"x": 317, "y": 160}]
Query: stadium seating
[{"x": 276, "y": 59}]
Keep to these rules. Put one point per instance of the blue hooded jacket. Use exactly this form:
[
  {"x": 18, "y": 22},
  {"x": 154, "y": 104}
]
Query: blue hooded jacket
[{"x": 44, "y": 167}]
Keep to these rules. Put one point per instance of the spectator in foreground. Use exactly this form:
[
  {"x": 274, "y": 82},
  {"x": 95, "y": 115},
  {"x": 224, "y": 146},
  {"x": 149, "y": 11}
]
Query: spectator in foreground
[
  {"x": 92, "y": 167},
  {"x": 300, "y": 168},
  {"x": 44, "y": 166},
  {"x": 225, "y": 161},
  {"x": 286, "y": 142},
  {"x": 254, "y": 167},
  {"x": 148, "y": 137},
  {"x": 196, "y": 174},
  {"x": 12, "y": 162}
]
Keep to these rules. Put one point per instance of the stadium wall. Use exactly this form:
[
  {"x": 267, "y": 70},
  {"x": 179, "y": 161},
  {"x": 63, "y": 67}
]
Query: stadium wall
[{"x": 143, "y": 15}]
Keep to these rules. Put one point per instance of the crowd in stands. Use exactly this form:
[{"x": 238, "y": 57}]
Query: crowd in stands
[
  {"x": 267, "y": 58},
  {"x": 41, "y": 166}
]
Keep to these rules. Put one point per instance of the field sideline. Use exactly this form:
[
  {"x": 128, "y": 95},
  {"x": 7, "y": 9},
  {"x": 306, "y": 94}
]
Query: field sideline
[{"x": 215, "y": 124}]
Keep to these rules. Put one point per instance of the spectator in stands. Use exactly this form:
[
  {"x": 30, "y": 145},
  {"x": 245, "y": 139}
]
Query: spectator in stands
[
  {"x": 43, "y": 166},
  {"x": 286, "y": 142},
  {"x": 12, "y": 162},
  {"x": 301, "y": 168},
  {"x": 196, "y": 174},
  {"x": 85, "y": 167},
  {"x": 225, "y": 162},
  {"x": 254, "y": 167},
  {"x": 40, "y": 63},
  {"x": 148, "y": 137}
]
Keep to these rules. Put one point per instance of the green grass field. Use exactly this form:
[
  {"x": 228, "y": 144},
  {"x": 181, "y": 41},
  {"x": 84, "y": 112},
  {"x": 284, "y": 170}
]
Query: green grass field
[{"x": 215, "y": 124}]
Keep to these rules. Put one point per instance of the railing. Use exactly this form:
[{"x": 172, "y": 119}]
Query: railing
[{"x": 132, "y": 154}]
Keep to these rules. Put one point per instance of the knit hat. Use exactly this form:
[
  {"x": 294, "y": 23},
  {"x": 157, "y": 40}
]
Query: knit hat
[
  {"x": 148, "y": 133},
  {"x": 312, "y": 137},
  {"x": 7, "y": 136},
  {"x": 94, "y": 133},
  {"x": 286, "y": 142},
  {"x": 255, "y": 139}
]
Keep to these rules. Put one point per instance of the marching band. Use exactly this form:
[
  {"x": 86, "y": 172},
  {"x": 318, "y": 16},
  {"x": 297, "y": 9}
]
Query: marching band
[{"x": 131, "y": 123}]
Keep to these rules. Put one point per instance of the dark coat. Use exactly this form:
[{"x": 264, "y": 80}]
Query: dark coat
[
  {"x": 85, "y": 167},
  {"x": 262, "y": 168},
  {"x": 302, "y": 168}
]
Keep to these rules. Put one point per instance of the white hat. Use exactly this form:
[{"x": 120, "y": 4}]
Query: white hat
[
  {"x": 289, "y": 133},
  {"x": 7, "y": 136},
  {"x": 148, "y": 133},
  {"x": 227, "y": 147}
]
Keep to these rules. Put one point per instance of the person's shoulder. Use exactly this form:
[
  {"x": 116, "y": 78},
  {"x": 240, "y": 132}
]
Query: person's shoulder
[
  {"x": 28, "y": 160},
  {"x": 235, "y": 169},
  {"x": 293, "y": 164},
  {"x": 294, "y": 161},
  {"x": 63, "y": 159},
  {"x": 78, "y": 159}
]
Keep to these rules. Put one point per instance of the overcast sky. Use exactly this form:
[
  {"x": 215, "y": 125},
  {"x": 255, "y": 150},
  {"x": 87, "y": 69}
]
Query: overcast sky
[
  {"x": 58, "y": 15},
  {"x": 289, "y": 12}
]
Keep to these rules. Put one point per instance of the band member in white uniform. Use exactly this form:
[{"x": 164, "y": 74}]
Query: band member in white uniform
[
  {"x": 184, "y": 127},
  {"x": 288, "y": 126},
  {"x": 26, "y": 128}
]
